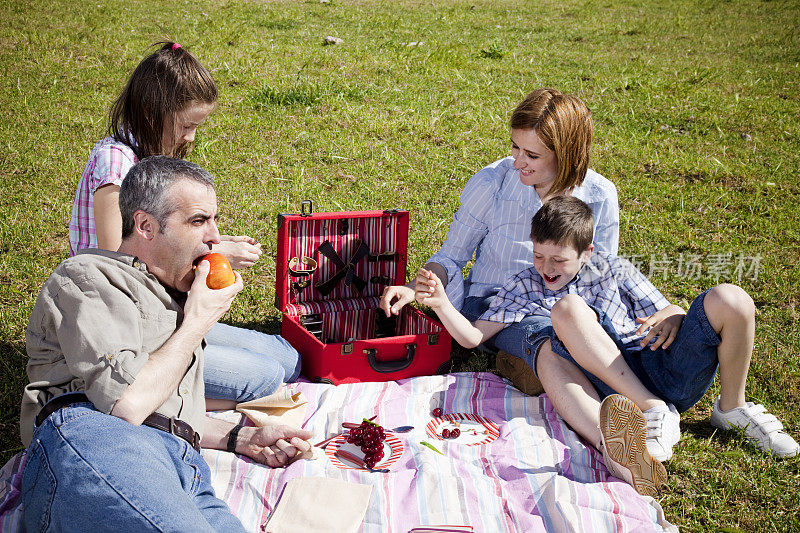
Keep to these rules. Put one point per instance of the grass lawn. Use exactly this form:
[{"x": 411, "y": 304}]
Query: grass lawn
[{"x": 696, "y": 107}]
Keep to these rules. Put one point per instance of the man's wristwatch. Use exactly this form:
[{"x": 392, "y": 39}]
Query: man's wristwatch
[{"x": 232, "y": 437}]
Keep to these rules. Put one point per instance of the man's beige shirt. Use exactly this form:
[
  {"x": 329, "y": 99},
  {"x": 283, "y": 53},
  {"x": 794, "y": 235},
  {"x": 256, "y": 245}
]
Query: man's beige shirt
[{"x": 95, "y": 323}]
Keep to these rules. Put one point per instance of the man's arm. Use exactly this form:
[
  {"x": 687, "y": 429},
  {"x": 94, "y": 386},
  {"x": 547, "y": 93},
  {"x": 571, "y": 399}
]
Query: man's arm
[
  {"x": 430, "y": 291},
  {"x": 166, "y": 366}
]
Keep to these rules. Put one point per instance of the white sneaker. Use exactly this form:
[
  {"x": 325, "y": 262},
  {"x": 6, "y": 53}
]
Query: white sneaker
[
  {"x": 663, "y": 430},
  {"x": 625, "y": 454},
  {"x": 760, "y": 427}
]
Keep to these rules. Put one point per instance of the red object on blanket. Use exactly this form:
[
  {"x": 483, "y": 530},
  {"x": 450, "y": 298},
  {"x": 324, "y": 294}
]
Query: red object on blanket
[{"x": 331, "y": 271}]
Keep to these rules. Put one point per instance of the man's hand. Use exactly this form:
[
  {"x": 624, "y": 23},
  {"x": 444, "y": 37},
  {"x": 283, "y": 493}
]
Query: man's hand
[
  {"x": 396, "y": 297},
  {"x": 429, "y": 290},
  {"x": 242, "y": 251},
  {"x": 664, "y": 324},
  {"x": 274, "y": 446},
  {"x": 205, "y": 305}
]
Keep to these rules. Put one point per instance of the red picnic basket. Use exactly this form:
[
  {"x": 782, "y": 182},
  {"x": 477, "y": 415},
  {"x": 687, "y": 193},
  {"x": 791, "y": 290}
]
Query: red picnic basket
[{"x": 331, "y": 271}]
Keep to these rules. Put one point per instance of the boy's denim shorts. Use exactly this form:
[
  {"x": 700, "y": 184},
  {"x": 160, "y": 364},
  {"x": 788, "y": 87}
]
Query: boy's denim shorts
[
  {"x": 521, "y": 339},
  {"x": 681, "y": 374}
]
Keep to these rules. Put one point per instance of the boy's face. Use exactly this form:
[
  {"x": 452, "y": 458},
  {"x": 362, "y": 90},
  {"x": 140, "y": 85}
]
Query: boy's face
[{"x": 558, "y": 264}]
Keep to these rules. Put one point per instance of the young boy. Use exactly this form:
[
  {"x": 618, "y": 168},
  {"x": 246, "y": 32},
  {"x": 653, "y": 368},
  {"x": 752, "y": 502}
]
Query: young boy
[{"x": 614, "y": 332}]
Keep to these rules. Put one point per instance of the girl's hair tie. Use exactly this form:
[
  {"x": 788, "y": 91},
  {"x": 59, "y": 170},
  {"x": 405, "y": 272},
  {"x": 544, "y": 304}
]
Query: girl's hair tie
[{"x": 175, "y": 46}]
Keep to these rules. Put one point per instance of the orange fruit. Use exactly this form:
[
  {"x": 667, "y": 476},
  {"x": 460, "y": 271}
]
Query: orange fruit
[{"x": 221, "y": 274}]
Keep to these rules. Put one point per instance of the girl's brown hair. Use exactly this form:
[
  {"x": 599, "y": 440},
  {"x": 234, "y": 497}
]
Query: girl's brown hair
[
  {"x": 163, "y": 84},
  {"x": 564, "y": 125}
]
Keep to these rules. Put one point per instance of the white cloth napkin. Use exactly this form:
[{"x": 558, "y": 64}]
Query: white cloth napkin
[{"x": 320, "y": 505}]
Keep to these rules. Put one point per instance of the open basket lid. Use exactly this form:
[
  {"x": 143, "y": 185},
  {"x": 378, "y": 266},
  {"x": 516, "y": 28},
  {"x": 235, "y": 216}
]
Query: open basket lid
[{"x": 340, "y": 255}]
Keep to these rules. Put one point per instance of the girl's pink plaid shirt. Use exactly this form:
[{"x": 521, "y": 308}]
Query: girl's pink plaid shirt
[{"x": 108, "y": 163}]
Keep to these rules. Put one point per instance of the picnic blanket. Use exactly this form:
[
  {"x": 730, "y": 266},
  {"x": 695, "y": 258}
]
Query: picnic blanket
[{"x": 527, "y": 471}]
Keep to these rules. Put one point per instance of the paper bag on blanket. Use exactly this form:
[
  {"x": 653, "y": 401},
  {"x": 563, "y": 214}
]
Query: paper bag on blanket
[
  {"x": 318, "y": 504},
  {"x": 281, "y": 407}
]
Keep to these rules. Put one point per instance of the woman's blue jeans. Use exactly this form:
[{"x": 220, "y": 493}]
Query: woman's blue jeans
[
  {"x": 89, "y": 471},
  {"x": 244, "y": 364}
]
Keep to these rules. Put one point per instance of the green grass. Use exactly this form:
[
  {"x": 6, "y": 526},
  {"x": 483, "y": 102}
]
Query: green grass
[{"x": 695, "y": 106}]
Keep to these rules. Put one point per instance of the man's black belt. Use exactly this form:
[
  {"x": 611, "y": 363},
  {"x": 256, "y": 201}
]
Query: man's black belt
[{"x": 176, "y": 427}]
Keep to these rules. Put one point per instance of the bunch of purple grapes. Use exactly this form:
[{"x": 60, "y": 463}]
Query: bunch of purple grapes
[{"x": 369, "y": 436}]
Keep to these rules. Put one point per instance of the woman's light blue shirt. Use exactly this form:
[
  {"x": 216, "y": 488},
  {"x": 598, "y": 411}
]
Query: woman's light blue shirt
[{"x": 494, "y": 224}]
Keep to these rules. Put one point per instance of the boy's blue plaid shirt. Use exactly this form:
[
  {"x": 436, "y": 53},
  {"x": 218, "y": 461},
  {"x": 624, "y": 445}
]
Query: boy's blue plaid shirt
[{"x": 607, "y": 283}]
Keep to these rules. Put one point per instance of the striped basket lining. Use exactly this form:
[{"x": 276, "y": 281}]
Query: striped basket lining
[
  {"x": 380, "y": 234},
  {"x": 355, "y": 319}
]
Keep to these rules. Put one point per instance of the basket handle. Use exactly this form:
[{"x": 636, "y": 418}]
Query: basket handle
[{"x": 386, "y": 367}]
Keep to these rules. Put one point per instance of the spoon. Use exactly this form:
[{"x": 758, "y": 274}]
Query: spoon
[{"x": 350, "y": 458}]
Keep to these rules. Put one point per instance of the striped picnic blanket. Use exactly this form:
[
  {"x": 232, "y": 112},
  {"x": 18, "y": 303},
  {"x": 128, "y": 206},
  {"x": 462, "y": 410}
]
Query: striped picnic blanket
[
  {"x": 536, "y": 475},
  {"x": 533, "y": 474}
]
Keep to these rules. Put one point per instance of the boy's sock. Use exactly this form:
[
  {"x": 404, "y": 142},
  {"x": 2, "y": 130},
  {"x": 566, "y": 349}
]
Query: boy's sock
[
  {"x": 760, "y": 427},
  {"x": 663, "y": 430},
  {"x": 623, "y": 429}
]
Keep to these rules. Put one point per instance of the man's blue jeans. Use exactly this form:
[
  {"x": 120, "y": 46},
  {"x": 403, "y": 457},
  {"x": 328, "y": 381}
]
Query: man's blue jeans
[
  {"x": 244, "y": 364},
  {"x": 88, "y": 471}
]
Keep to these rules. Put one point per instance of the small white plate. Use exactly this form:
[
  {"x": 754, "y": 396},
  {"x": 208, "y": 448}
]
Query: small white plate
[{"x": 475, "y": 429}]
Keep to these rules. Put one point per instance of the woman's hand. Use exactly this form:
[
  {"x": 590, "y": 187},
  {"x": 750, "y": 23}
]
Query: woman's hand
[
  {"x": 240, "y": 250},
  {"x": 396, "y": 297},
  {"x": 663, "y": 325}
]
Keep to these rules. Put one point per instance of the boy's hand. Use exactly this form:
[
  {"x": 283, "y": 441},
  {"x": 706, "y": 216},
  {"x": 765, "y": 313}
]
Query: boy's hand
[
  {"x": 664, "y": 324},
  {"x": 242, "y": 251},
  {"x": 429, "y": 289}
]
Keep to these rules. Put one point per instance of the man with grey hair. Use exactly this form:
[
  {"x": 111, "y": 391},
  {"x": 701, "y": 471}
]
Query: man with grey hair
[{"x": 114, "y": 414}]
